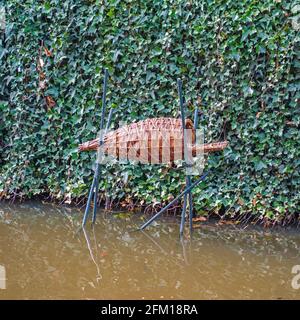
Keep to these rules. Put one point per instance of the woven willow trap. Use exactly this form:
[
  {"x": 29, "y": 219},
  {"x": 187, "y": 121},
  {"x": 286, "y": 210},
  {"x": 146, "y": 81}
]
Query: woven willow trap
[
  {"x": 158, "y": 140},
  {"x": 151, "y": 141}
]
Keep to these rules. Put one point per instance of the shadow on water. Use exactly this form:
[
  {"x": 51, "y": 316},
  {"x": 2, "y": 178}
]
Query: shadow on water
[{"x": 45, "y": 257}]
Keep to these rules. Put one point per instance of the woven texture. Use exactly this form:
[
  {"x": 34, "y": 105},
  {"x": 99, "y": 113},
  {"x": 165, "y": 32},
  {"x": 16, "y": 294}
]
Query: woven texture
[{"x": 157, "y": 140}]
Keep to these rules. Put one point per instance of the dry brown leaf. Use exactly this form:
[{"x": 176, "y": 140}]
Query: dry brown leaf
[
  {"x": 240, "y": 202},
  {"x": 47, "y": 52},
  {"x": 290, "y": 123},
  {"x": 197, "y": 226},
  {"x": 103, "y": 253},
  {"x": 201, "y": 219},
  {"x": 42, "y": 75},
  {"x": 50, "y": 102},
  {"x": 226, "y": 222}
]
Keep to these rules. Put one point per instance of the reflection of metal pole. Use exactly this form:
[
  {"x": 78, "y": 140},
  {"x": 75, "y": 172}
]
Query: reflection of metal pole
[
  {"x": 99, "y": 276},
  {"x": 148, "y": 235},
  {"x": 153, "y": 241},
  {"x": 184, "y": 252},
  {"x": 185, "y": 191}
]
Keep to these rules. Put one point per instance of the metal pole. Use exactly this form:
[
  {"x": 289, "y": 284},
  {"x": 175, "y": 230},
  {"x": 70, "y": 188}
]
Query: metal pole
[
  {"x": 196, "y": 118},
  {"x": 182, "y": 220},
  {"x": 188, "y": 178},
  {"x": 97, "y": 173},
  {"x": 179, "y": 86},
  {"x": 196, "y": 122},
  {"x": 190, "y": 205},
  {"x": 86, "y": 213},
  {"x": 174, "y": 200},
  {"x": 103, "y": 99}
]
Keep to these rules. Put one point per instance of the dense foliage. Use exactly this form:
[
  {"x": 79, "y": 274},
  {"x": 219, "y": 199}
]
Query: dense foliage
[{"x": 240, "y": 58}]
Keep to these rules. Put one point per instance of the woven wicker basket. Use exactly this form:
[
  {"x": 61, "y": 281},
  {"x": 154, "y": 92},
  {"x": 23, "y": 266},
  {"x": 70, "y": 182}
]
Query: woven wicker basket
[{"x": 157, "y": 140}]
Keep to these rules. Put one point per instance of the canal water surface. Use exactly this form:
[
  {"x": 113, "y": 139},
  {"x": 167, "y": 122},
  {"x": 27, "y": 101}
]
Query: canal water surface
[{"x": 44, "y": 255}]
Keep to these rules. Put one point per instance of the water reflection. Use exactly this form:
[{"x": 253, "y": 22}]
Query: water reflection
[
  {"x": 98, "y": 276},
  {"x": 46, "y": 257}
]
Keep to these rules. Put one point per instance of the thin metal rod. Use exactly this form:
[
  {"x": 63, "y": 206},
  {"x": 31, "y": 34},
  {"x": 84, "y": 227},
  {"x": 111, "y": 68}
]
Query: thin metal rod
[
  {"x": 174, "y": 200},
  {"x": 104, "y": 99},
  {"x": 196, "y": 122},
  {"x": 94, "y": 183},
  {"x": 111, "y": 111},
  {"x": 183, "y": 215},
  {"x": 88, "y": 204},
  {"x": 97, "y": 172},
  {"x": 179, "y": 87},
  {"x": 196, "y": 118},
  {"x": 188, "y": 178}
]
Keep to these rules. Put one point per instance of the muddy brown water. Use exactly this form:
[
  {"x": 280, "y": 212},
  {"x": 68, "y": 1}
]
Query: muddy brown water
[{"x": 43, "y": 256}]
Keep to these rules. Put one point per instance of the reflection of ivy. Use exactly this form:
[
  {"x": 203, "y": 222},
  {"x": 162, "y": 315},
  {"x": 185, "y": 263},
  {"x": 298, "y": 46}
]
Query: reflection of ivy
[{"x": 238, "y": 58}]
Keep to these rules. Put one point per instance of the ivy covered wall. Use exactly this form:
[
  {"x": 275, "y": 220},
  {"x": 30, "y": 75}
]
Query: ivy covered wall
[{"x": 239, "y": 61}]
